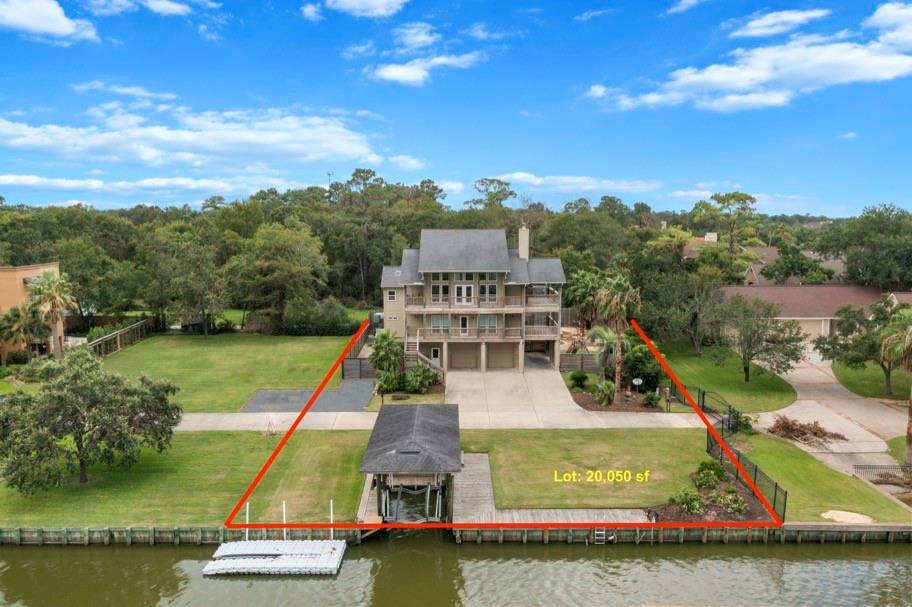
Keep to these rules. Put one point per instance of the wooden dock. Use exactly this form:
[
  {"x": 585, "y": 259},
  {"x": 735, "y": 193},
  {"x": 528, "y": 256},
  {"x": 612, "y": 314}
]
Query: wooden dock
[
  {"x": 474, "y": 502},
  {"x": 277, "y": 557}
]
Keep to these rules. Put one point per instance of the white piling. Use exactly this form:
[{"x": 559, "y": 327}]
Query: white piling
[
  {"x": 284, "y": 528},
  {"x": 331, "y": 535},
  {"x": 247, "y": 522}
]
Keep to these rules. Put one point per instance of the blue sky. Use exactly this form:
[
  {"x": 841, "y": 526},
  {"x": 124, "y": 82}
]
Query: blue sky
[{"x": 115, "y": 102}]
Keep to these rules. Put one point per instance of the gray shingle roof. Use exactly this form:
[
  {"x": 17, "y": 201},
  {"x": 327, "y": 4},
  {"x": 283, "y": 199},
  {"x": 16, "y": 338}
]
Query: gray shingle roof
[
  {"x": 549, "y": 270},
  {"x": 404, "y": 274},
  {"x": 414, "y": 439},
  {"x": 463, "y": 251}
]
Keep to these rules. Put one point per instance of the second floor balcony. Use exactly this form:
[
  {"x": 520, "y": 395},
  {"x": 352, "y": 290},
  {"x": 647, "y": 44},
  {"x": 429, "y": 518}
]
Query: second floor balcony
[{"x": 463, "y": 301}]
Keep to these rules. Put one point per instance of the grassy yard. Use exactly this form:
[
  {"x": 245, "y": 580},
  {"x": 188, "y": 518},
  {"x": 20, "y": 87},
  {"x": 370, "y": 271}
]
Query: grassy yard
[
  {"x": 813, "y": 488},
  {"x": 222, "y": 372},
  {"x": 200, "y": 478},
  {"x": 411, "y": 399},
  {"x": 897, "y": 447},
  {"x": 6, "y": 387},
  {"x": 523, "y": 463},
  {"x": 764, "y": 392},
  {"x": 356, "y": 314},
  {"x": 869, "y": 381}
]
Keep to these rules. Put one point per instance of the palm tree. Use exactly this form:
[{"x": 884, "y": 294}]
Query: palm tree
[
  {"x": 388, "y": 354},
  {"x": 896, "y": 345},
  {"x": 25, "y": 324},
  {"x": 615, "y": 304},
  {"x": 53, "y": 293},
  {"x": 608, "y": 340},
  {"x": 580, "y": 293}
]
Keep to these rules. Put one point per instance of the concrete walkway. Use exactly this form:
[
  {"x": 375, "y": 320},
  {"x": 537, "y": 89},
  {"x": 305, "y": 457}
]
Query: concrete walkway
[{"x": 865, "y": 422}]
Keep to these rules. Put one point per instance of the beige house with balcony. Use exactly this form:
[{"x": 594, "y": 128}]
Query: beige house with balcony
[
  {"x": 464, "y": 300},
  {"x": 14, "y": 291}
]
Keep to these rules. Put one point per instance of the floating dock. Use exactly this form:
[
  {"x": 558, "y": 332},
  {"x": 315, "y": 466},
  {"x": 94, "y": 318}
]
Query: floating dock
[{"x": 277, "y": 557}]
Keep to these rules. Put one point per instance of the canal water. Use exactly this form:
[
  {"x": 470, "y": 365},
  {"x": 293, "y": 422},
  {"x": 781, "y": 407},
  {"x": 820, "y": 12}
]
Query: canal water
[{"x": 427, "y": 569}]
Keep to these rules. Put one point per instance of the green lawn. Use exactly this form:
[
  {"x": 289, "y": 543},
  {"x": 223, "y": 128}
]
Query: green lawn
[
  {"x": 523, "y": 463},
  {"x": 6, "y": 387},
  {"x": 764, "y": 392},
  {"x": 412, "y": 399},
  {"x": 356, "y": 314},
  {"x": 869, "y": 381},
  {"x": 813, "y": 488},
  {"x": 897, "y": 447},
  {"x": 221, "y": 373},
  {"x": 198, "y": 481}
]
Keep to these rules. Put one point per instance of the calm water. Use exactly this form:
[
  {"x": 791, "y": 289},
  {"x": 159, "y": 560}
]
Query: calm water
[{"x": 427, "y": 569}]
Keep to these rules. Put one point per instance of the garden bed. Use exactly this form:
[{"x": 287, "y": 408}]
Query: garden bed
[
  {"x": 635, "y": 405},
  {"x": 753, "y": 508}
]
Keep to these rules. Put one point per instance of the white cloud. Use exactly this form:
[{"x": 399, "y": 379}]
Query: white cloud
[
  {"x": 44, "y": 18},
  {"x": 365, "y": 49},
  {"x": 408, "y": 163},
  {"x": 207, "y": 32},
  {"x": 574, "y": 183},
  {"x": 411, "y": 37},
  {"x": 129, "y": 91},
  {"x": 452, "y": 188},
  {"x": 480, "y": 31},
  {"x": 593, "y": 14},
  {"x": 367, "y": 8},
  {"x": 696, "y": 194},
  {"x": 242, "y": 184},
  {"x": 683, "y": 5},
  {"x": 894, "y": 20},
  {"x": 417, "y": 71},
  {"x": 779, "y": 22},
  {"x": 167, "y": 7},
  {"x": 597, "y": 91},
  {"x": 109, "y": 7},
  {"x": 774, "y": 75},
  {"x": 179, "y": 136},
  {"x": 311, "y": 12},
  {"x": 849, "y": 135}
]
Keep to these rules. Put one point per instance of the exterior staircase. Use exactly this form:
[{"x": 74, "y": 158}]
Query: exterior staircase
[{"x": 413, "y": 356}]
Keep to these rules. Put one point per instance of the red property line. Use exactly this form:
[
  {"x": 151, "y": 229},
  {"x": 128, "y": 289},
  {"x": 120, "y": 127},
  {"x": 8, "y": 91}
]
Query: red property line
[
  {"x": 313, "y": 398},
  {"x": 776, "y": 522}
]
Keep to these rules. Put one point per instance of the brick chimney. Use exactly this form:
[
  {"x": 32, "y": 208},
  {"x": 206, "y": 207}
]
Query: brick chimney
[{"x": 524, "y": 242}]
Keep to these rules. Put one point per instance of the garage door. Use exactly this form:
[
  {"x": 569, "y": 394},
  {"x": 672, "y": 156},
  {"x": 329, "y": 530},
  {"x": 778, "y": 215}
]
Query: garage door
[
  {"x": 501, "y": 356},
  {"x": 463, "y": 356}
]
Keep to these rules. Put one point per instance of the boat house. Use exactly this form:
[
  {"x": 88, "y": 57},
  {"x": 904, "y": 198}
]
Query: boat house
[{"x": 412, "y": 454}]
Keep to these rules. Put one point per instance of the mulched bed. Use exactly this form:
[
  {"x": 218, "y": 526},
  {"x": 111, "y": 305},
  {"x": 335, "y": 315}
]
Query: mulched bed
[
  {"x": 753, "y": 509},
  {"x": 634, "y": 405}
]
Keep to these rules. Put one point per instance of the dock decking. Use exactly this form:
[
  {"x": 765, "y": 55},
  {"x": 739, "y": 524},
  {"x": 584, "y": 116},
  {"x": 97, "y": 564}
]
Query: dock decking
[
  {"x": 474, "y": 502},
  {"x": 277, "y": 557}
]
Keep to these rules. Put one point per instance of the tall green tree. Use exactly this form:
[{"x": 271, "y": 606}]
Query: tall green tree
[
  {"x": 756, "y": 335},
  {"x": 82, "y": 415},
  {"x": 616, "y": 303},
  {"x": 896, "y": 345},
  {"x": 25, "y": 324},
  {"x": 792, "y": 263},
  {"x": 857, "y": 340},
  {"x": 199, "y": 292},
  {"x": 54, "y": 294},
  {"x": 735, "y": 208}
]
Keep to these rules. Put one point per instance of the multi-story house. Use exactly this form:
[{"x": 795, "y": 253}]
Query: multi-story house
[{"x": 464, "y": 300}]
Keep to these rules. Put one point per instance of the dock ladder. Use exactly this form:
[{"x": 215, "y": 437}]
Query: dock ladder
[{"x": 599, "y": 536}]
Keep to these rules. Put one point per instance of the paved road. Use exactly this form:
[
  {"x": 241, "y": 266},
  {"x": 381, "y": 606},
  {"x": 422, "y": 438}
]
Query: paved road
[
  {"x": 351, "y": 395},
  {"x": 865, "y": 422}
]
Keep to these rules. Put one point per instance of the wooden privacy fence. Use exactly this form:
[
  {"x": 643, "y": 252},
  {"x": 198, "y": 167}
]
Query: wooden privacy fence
[
  {"x": 358, "y": 368},
  {"x": 573, "y": 362},
  {"x": 117, "y": 341}
]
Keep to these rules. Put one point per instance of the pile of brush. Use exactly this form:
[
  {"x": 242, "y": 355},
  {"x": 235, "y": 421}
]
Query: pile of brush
[{"x": 803, "y": 432}]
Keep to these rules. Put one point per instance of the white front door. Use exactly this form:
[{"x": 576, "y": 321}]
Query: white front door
[
  {"x": 464, "y": 294},
  {"x": 463, "y": 325},
  {"x": 435, "y": 356}
]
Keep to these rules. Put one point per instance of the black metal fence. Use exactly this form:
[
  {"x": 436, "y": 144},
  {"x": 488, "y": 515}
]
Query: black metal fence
[
  {"x": 774, "y": 493},
  {"x": 900, "y": 475},
  {"x": 725, "y": 418}
]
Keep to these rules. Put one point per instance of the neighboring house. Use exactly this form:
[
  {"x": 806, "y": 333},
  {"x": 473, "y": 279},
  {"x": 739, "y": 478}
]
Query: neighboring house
[
  {"x": 466, "y": 301},
  {"x": 13, "y": 291},
  {"x": 767, "y": 255},
  {"x": 813, "y": 306}
]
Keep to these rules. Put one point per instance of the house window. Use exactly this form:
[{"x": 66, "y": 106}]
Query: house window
[
  {"x": 438, "y": 276},
  {"x": 392, "y": 318},
  {"x": 487, "y": 323},
  {"x": 391, "y": 295},
  {"x": 440, "y": 321},
  {"x": 465, "y": 276},
  {"x": 487, "y": 289}
]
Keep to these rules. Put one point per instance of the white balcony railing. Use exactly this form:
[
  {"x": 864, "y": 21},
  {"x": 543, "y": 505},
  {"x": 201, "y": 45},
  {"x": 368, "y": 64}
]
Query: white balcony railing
[{"x": 465, "y": 301}]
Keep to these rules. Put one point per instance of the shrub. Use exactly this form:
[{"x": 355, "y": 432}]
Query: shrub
[
  {"x": 730, "y": 501},
  {"x": 705, "y": 479},
  {"x": 639, "y": 362},
  {"x": 604, "y": 393},
  {"x": 388, "y": 353},
  {"x": 18, "y": 357},
  {"x": 34, "y": 371},
  {"x": 4, "y": 372},
  {"x": 713, "y": 467},
  {"x": 579, "y": 379},
  {"x": 305, "y": 316},
  {"x": 690, "y": 501},
  {"x": 387, "y": 381},
  {"x": 746, "y": 425},
  {"x": 651, "y": 399},
  {"x": 419, "y": 378}
]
